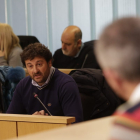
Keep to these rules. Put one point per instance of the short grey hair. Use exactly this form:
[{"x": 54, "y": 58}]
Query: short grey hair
[{"x": 119, "y": 48}]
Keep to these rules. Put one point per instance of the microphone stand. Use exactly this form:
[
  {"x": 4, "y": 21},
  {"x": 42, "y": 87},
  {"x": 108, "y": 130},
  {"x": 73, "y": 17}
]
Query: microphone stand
[{"x": 36, "y": 96}]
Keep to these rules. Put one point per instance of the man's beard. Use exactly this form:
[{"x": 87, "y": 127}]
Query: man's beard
[{"x": 65, "y": 52}]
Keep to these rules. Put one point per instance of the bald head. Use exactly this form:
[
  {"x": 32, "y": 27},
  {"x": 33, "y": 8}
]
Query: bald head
[
  {"x": 73, "y": 31},
  {"x": 71, "y": 40}
]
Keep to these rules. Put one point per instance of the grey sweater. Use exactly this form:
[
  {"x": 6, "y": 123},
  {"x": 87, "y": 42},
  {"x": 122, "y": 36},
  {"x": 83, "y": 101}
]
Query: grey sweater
[{"x": 14, "y": 58}]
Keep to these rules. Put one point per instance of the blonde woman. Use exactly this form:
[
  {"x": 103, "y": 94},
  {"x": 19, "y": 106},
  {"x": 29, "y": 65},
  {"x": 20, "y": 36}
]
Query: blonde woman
[{"x": 10, "y": 48}]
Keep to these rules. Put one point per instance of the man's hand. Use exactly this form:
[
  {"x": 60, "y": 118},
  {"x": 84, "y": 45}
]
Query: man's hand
[{"x": 42, "y": 112}]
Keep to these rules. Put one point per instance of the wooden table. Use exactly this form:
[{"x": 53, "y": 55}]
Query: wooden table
[
  {"x": 12, "y": 125},
  {"x": 98, "y": 129}
]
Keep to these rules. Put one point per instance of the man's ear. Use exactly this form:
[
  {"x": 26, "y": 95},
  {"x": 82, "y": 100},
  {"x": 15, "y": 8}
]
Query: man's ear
[
  {"x": 113, "y": 79},
  {"x": 50, "y": 63},
  {"x": 79, "y": 42}
]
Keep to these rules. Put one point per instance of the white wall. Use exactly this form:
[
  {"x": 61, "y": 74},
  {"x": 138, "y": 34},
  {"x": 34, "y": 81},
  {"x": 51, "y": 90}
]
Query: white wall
[{"x": 46, "y": 19}]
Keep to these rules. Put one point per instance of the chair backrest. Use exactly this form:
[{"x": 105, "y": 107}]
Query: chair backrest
[
  {"x": 9, "y": 78},
  {"x": 26, "y": 40},
  {"x": 98, "y": 100}
]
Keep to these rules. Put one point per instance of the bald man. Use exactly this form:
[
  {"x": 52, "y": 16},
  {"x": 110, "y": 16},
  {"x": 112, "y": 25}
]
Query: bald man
[{"x": 74, "y": 53}]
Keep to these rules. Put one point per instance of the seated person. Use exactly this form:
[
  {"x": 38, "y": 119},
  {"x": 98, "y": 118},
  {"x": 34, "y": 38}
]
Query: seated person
[
  {"x": 74, "y": 53},
  {"x": 118, "y": 53},
  {"x": 10, "y": 48},
  {"x": 56, "y": 90}
]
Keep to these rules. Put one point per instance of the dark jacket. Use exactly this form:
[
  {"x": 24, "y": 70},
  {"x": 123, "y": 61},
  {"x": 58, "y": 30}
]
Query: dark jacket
[
  {"x": 98, "y": 99},
  {"x": 86, "y": 58}
]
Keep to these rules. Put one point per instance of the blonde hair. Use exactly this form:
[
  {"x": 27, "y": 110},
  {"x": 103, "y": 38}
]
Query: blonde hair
[{"x": 8, "y": 40}]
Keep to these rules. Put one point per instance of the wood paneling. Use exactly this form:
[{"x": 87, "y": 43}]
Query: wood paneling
[
  {"x": 25, "y": 128},
  {"x": 7, "y": 130},
  {"x": 13, "y": 125},
  {"x": 37, "y": 118}
]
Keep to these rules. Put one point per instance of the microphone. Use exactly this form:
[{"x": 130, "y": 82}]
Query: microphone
[
  {"x": 36, "y": 96},
  {"x": 84, "y": 60}
]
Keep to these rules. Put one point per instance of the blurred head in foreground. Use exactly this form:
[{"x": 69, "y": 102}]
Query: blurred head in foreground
[{"x": 118, "y": 53}]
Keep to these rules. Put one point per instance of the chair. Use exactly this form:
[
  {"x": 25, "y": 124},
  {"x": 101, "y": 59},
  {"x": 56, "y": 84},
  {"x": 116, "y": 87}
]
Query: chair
[
  {"x": 9, "y": 78},
  {"x": 98, "y": 100},
  {"x": 26, "y": 40}
]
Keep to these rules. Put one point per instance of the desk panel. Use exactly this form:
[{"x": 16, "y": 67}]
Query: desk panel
[
  {"x": 7, "y": 130},
  {"x": 25, "y": 128}
]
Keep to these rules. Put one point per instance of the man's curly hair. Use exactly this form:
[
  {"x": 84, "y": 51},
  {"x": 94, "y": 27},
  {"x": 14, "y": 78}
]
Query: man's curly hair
[{"x": 35, "y": 50}]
